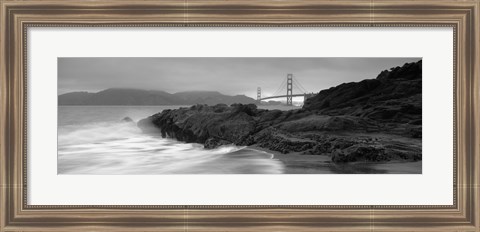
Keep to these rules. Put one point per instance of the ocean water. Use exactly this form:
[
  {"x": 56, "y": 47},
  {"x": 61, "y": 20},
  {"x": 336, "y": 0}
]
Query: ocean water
[{"x": 94, "y": 140}]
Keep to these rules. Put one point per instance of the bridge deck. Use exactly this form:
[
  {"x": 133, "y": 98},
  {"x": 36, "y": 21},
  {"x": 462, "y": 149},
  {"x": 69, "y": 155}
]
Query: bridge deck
[{"x": 279, "y": 96}]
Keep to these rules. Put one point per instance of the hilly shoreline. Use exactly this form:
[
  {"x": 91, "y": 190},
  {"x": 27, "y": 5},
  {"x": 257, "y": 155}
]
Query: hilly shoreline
[
  {"x": 374, "y": 120},
  {"x": 124, "y": 96}
]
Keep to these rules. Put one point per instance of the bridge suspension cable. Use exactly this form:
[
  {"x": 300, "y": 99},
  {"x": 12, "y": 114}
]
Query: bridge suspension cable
[
  {"x": 280, "y": 88},
  {"x": 299, "y": 86}
]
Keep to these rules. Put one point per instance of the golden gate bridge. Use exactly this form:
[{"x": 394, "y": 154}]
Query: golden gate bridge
[{"x": 290, "y": 84}]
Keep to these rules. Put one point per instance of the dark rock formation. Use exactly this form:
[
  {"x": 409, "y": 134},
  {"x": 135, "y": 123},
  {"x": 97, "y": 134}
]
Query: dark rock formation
[
  {"x": 394, "y": 96},
  {"x": 372, "y": 120},
  {"x": 127, "y": 119},
  {"x": 215, "y": 142},
  {"x": 201, "y": 122}
]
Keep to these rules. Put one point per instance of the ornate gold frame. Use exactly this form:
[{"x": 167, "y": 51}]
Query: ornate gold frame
[{"x": 17, "y": 16}]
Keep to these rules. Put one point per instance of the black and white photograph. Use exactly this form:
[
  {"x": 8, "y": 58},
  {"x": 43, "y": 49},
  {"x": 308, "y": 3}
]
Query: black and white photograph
[{"x": 239, "y": 115}]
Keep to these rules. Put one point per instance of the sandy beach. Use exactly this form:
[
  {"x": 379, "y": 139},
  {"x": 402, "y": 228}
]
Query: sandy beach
[{"x": 298, "y": 163}]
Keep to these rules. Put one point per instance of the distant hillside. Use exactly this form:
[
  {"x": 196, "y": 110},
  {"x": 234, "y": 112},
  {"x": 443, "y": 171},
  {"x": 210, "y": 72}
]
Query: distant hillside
[
  {"x": 211, "y": 98},
  {"x": 117, "y": 96},
  {"x": 75, "y": 98}
]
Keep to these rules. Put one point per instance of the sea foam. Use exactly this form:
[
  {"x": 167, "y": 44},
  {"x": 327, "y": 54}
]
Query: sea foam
[{"x": 121, "y": 148}]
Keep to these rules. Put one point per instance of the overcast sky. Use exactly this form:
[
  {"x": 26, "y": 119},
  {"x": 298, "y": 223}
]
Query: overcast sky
[{"x": 230, "y": 76}]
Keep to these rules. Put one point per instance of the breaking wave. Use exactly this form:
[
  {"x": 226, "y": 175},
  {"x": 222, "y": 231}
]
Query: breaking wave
[{"x": 121, "y": 148}]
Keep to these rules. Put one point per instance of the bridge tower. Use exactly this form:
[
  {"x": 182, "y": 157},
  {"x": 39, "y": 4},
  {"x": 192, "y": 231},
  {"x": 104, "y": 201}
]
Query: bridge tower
[
  {"x": 259, "y": 93},
  {"x": 289, "y": 89}
]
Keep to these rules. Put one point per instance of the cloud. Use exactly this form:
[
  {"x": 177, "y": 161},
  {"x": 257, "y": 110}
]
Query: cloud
[{"x": 224, "y": 74}]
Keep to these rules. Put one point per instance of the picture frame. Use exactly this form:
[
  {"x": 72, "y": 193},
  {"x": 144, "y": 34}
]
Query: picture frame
[{"x": 17, "y": 16}]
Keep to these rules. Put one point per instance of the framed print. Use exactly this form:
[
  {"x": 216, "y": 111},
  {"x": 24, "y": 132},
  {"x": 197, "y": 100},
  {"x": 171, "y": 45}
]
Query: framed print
[{"x": 239, "y": 116}]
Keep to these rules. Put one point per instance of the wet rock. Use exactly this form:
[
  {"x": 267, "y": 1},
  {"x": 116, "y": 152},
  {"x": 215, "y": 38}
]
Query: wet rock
[
  {"x": 360, "y": 152},
  {"x": 250, "y": 109},
  {"x": 281, "y": 141},
  {"x": 127, "y": 119},
  {"x": 220, "y": 108},
  {"x": 201, "y": 122},
  {"x": 215, "y": 142}
]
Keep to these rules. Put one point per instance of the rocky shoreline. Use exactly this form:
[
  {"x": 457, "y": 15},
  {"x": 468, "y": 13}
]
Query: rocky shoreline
[{"x": 375, "y": 120}]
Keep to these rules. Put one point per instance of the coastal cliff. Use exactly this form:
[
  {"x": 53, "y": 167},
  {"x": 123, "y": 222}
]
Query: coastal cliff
[{"x": 372, "y": 120}]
